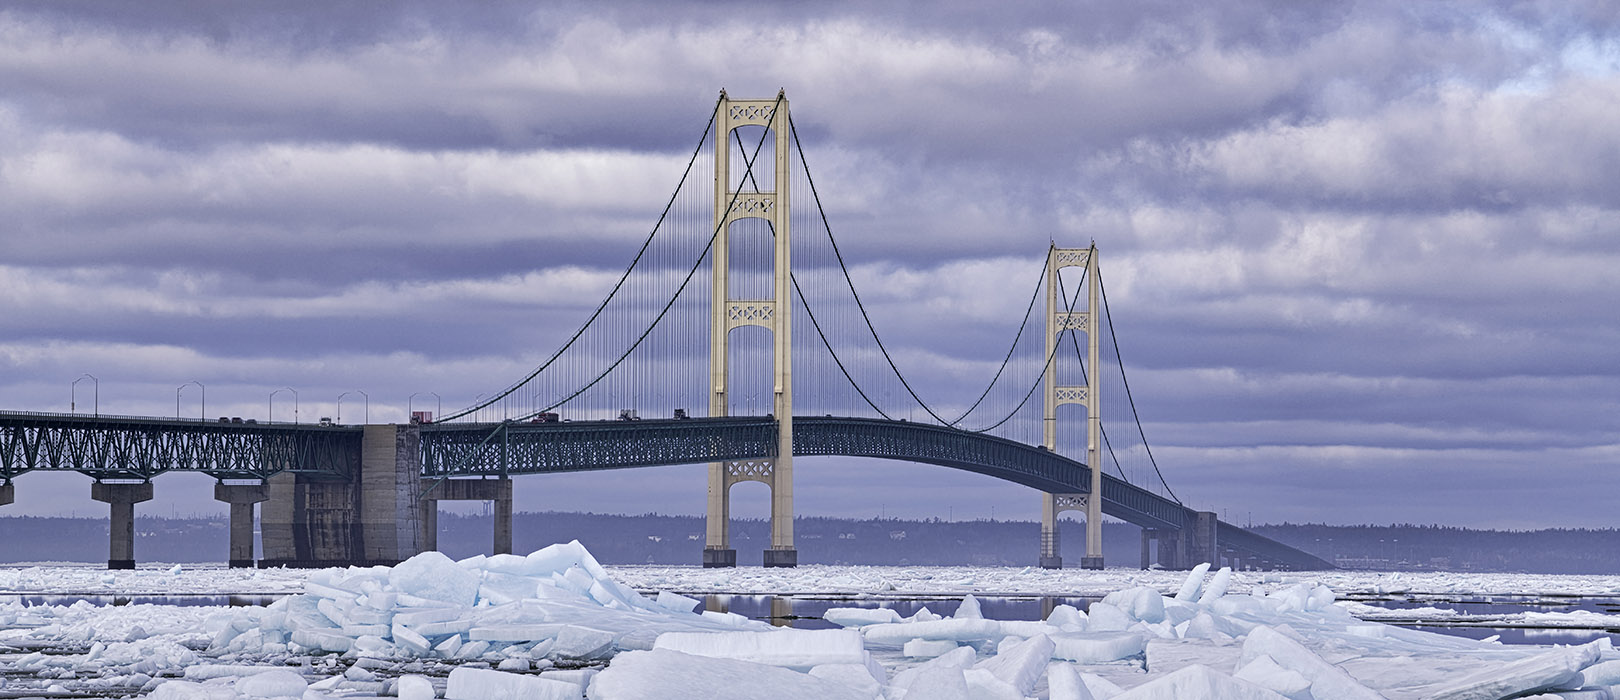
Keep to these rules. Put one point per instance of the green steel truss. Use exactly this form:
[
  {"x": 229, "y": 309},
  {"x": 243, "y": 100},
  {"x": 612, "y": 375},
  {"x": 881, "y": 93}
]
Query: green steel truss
[
  {"x": 131, "y": 448},
  {"x": 109, "y": 447}
]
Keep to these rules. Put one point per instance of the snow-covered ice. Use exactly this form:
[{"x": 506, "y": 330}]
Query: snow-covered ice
[{"x": 557, "y": 624}]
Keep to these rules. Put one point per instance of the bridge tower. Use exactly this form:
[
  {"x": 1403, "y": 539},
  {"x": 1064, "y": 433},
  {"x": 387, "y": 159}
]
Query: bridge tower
[
  {"x": 774, "y": 314},
  {"x": 1058, "y": 322}
]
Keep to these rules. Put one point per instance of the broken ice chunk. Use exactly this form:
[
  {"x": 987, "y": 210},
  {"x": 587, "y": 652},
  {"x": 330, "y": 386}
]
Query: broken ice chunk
[
  {"x": 482, "y": 684},
  {"x": 1217, "y": 586},
  {"x": 1551, "y": 669},
  {"x": 969, "y": 609},
  {"x": 792, "y": 648},
  {"x": 186, "y": 690},
  {"x": 899, "y": 633},
  {"x": 1199, "y": 683},
  {"x": 1195, "y": 582},
  {"x": 928, "y": 648},
  {"x": 1264, "y": 672},
  {"x": 1606, "y": 673},
  {"x": 272, "y": 684},
  {"x": 676, "y": 602},
  {"x": 1065, "y": 616},
  {"x": 434, "y": 576},
  {"x": 577, "y": 642},
  {"x": 860, "y": 617},
  {"x": 1106, "y": 617},
  {"x": 855, "y": 676},
  {"x": 1064, "y": 684},
  {"x": 1141, "y": 603},
  {"x": 414, "y": 688},
  {"x": 1327, "y": 680},
  {"x": 671, "y": 675},
  {"x": 1020, "y": 666},
  {"x": 1097, "y": 647}
]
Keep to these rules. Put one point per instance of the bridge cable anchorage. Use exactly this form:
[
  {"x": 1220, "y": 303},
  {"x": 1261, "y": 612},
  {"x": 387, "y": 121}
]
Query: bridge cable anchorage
[
  {"x": 1127, "y": 382},
  {"x": 667, "y": 305},
  {"x": 838, "y": 255},
  {"x": 713, "y": 113}
]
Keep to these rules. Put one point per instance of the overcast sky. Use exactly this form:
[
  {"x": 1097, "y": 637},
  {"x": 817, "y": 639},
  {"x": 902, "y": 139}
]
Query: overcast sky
[{"x": 1364, "y": 258}]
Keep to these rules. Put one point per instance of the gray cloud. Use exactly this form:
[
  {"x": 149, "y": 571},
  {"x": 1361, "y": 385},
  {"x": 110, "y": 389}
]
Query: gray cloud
[{"x": 1362, "y": 255}]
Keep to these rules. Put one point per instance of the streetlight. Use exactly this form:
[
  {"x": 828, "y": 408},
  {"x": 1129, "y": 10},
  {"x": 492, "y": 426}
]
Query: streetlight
[
  {"x": 203, "y": 411},
  {"x": 409, "y": 405},
  {"x": 73, "y": 400},
  {"x": 272, "y": 415},
  {"x": 346, "y": 393}
]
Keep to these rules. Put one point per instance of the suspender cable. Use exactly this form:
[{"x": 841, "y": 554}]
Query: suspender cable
[
  {"x": 665, "y": 310},
  {"x": 616, "y": 287},
  {"x": 1127, "y": 382}
]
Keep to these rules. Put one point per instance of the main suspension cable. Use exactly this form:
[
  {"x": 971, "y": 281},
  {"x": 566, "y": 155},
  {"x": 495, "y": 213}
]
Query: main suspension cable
[
  {"x": 616, "y": 286},
  {"x": 677, "y": 295},
  {"x": 838, "y": 255},
  {"x": 1127, "y": 382}
]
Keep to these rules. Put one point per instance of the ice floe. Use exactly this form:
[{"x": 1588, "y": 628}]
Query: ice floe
[{"x": 556, "y": 624}]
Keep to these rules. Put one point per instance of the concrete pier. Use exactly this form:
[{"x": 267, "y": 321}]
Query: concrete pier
[
  {"x": 719, "y": 558},
  {"x": 122, "y": 499},
  {"x": 1202, "y": 544},
  {"x": 312, "y": 521},
  {"x": 1052, "y": 506},
  {"x": 8, "y": 494},
  {"x": 498, "y": 491},
  {"x": 390, "y": 481},
  {"x": 242, "y": 497}
]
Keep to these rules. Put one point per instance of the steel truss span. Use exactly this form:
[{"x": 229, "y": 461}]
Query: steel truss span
[
  {"x": 493, "y": 449},
  {"x": 136, "y": 448}
]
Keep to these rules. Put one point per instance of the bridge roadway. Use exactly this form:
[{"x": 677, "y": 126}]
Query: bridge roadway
[{"x": 122, "y": 448}]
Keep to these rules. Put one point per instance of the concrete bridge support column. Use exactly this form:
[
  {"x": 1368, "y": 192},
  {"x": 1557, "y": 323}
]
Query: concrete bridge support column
[
  {"x": 429, "y": 520},
  {"x": 498, "y": 491},
  {"x": 1170, "y": 550},
  {"x": 241, "y": 497},
  {"x": 390, "y": 481},
  {"x": 310, "y": 522},
  {"x": 717, "y": 551},
  {"x": 8, "y": 494},
  {"x": 1202, "y": 545},
  {"x": 122, "y": 499}
]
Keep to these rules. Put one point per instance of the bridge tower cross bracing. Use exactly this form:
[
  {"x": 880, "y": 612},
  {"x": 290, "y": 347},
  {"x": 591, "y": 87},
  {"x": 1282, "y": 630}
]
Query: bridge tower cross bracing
[
  {"x": 774, "y": 314},
  {"x": 1058, "y": 322}
]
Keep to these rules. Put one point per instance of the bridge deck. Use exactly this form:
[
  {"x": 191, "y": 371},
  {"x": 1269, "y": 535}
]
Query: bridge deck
[{"x": 138, "y": 448}]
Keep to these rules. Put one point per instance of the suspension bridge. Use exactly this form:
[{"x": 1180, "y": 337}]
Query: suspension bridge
[{"x": 737, "y": 337}]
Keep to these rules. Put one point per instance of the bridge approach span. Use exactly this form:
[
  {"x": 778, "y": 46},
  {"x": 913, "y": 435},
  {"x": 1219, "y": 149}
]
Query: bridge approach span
[{"x": 126, "y": 448}]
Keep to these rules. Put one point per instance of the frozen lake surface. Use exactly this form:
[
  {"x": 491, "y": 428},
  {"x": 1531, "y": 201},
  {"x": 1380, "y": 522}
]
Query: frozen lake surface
[{"x": 556, "y": 624}]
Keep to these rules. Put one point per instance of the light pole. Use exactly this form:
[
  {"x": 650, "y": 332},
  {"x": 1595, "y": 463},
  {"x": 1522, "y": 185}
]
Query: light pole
[
  {"x": 410, "y": 406},
  {"x": 272, "y": 415},
  {"x": 346, "y": 393},
  {"x": 73, "y": 400},
  {"x": 202, "y": 412}
]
